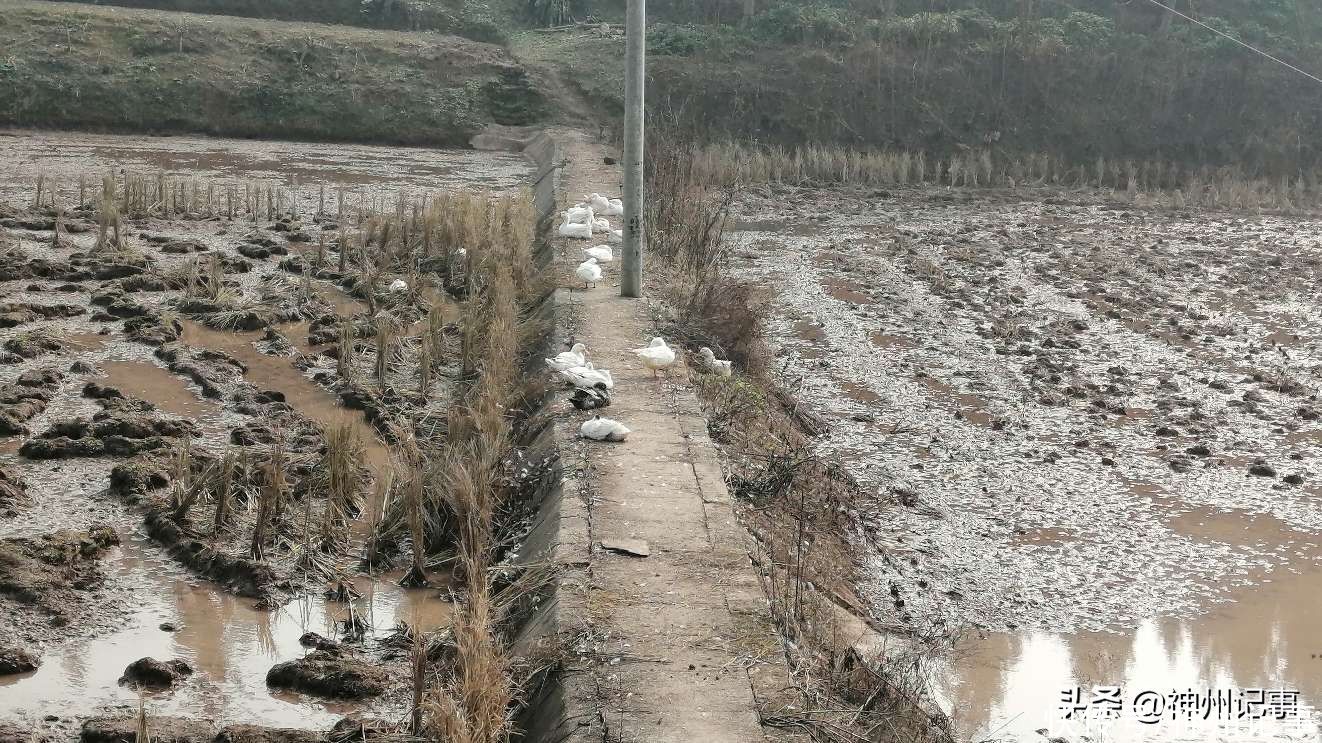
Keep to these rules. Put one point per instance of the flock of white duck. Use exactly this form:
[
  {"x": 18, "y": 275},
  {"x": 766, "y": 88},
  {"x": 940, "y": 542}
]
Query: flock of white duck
[
  {"x": 588, "y": 218},
  {"x": 592, "y": 386}
]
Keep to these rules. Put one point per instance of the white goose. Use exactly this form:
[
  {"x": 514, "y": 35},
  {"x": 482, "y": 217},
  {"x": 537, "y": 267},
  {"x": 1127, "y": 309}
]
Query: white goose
[
  {"x": 600, "y": 204},
  {"x": 656, "y": 355},
  {"x": 600, "y": 225},
  {"x": 588, "y": 377},
  {"x": 603, "y": 429},
  {"x": 602, "y": 253},
  {"x": 576, "y": 356},
  {"x": 579, "y": 215},
  {"x": 617, "y": 236},
  {"x": 576, "y": 231},
  {"x": 714, "y": 365},
  {"x": 589, "y": 271},
  {"x": 614, "y": 209}
]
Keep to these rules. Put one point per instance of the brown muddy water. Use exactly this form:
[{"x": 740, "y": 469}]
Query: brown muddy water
[
  {"x": 230, "y": 643},
  {"x": 1105, "y": 430}
]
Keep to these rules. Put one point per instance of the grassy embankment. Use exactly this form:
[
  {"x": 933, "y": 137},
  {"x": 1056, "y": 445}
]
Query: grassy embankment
[
  {"x": 115, "y": 69},
  {"x": 469, "y": 18}
]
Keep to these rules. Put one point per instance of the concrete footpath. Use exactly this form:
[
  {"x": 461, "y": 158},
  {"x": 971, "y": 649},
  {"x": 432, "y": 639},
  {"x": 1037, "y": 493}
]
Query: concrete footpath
[{"x": 677, "y": 643}]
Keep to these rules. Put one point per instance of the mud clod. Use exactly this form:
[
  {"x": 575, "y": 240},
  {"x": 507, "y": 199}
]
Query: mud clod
[
  {"x": 33, "y": 344},
  {"x": 258, "y": 734},
  {"x": 13, "y": 493},
  {"x": 25, "y": 399},
  {"x": 50, "y": 572},
  {"x": 329, "y": 673},
  {"x": 153, "y": 330},
  {"x": 155, "y": 674},
  {"x": 17, "y": 660},
  {"x": 108, "y": 433},
  {"x": 163, "y": 730}
]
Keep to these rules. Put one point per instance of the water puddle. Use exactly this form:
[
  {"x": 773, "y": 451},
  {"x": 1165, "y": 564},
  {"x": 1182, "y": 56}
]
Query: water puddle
[
  {"x": 1008, "y": 686},
  {"x": 147, "y": 381},
  {"x": 1238, "y": 527},
  {"x": 88, "y": 342},
  {"x": 279, "y": 374},
  {"x": 230, "y": 645},
  {"x": 968, "y": 407},
  {"x": 859, "y": 392},
  {"x": 886, "y": 340},
  {"x": 846, "y": 291}
]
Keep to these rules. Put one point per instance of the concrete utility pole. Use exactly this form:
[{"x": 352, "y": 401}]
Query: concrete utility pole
[{"x": 635, "y": 48}]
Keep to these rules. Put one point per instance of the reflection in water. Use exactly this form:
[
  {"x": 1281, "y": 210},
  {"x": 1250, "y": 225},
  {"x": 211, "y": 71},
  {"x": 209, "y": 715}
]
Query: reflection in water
[
  {"x": 230, "y": 645},
  {"x": 1009, "y": 686}
]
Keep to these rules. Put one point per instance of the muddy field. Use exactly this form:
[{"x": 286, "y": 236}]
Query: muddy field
[
  {"x": 200, "y": 349},
  {"x": 1093, "y": 426}
]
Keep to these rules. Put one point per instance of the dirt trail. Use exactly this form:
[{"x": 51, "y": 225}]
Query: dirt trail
[{"x": 684, "y": 634}]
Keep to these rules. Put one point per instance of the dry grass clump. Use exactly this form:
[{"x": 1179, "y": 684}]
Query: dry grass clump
[
  {"x": 1166, "y": 184},
  {"x": 342, "y": 465},
  {"x": 450, "y": 495}
]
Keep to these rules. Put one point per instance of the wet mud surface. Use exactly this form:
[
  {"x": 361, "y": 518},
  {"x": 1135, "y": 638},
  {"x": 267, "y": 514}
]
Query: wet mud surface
[
  {"x": 131, "y": 375},
  {"x": 1091, "y": 429},
  {"x": 365, "y": 171}
]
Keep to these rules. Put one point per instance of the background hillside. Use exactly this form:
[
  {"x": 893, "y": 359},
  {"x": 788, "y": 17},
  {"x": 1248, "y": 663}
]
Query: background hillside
[
  {"x": 1080, "y": 79},
  {"x": 81, "y": 66}
]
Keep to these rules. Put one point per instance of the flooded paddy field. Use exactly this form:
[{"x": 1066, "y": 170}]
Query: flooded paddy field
[
  {"x": 1092, "y": 428},
  {"x": 362, "y": 171},
  {"x": 194, "y": 439}
]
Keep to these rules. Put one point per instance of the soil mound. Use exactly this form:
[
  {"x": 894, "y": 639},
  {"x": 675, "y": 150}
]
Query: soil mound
[
  {"x": 329, "y": 673},
  {"x": 157, "y": 674}
]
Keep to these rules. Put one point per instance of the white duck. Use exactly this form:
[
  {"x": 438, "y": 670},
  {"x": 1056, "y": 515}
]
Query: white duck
[
  {"x": 602, "y": 253},
  {"x": 577, "y": 231},
  {"x": 579, "y": 215},
  {"x": 617, "y": 236},
  {"x": 588, "y": 377},
  {"x": 600, "y": 204},
  {"x": 615, "y": 208},
  {"x": 603, "y": 429},
  {"x": 589, "y": 271},
  {"x": 576, "y": 356},
  {"x": 714, "y": 365},
  {"x": 656, "y": 355},
  {"x": 600, "y": 225}
]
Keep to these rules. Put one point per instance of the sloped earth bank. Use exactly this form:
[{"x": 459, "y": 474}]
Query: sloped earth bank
[
  {"x": 107, "y": 366},
  {"x": 1096, "y": 425}
]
